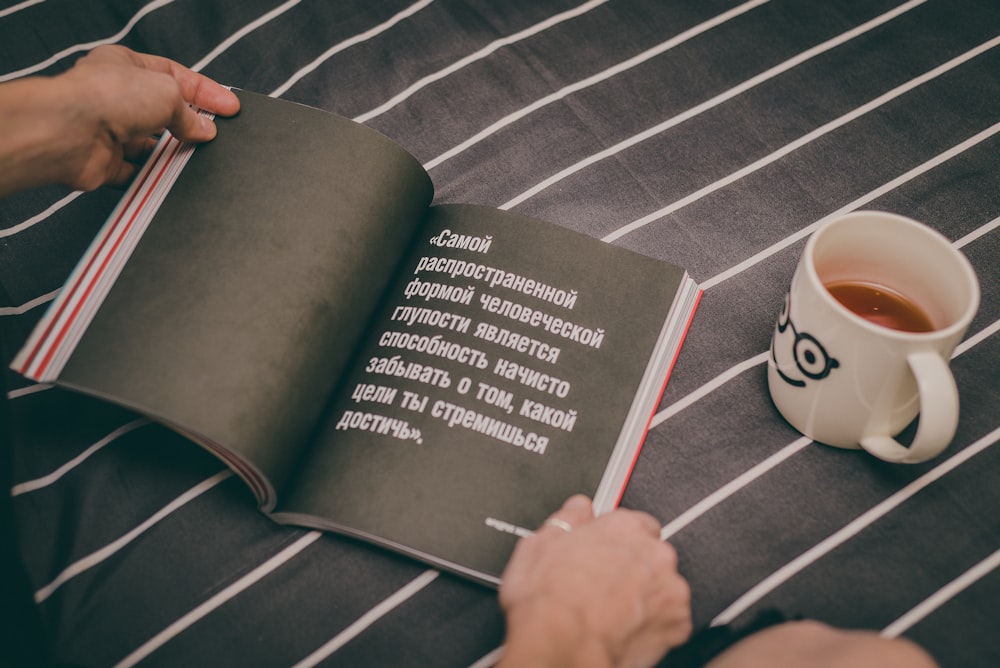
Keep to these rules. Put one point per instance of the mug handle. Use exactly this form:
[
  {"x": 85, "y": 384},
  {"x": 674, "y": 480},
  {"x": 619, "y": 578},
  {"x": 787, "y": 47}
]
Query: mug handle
[{"x": 938, "y": 414}]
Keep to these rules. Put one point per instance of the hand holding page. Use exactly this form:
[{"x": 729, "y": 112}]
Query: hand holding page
[{"x": 434, "y": 379}]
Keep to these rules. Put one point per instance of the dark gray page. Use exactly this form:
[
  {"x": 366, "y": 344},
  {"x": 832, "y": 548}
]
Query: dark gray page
[
  {"x": 238, "y": 309},
  {"x": 455, "y": 493}
]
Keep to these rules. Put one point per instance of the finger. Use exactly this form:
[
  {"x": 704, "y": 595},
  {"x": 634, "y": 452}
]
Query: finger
[
  {"x": 576, "y": 511},
  {"x": 633, "y": 522},
  {"x": 121, "y": 173},
  {"x": 136, "y": 150},
  {"x": 646, "y": 522},
  {"x": 662, "y": 560},
  {"x": 196, "y": 88},
  {"x": 668, "y": 605},
  {"x": 190, "y": 126}
]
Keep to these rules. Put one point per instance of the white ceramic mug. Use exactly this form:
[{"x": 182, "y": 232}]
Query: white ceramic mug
[{"x": 843, "y": 380}]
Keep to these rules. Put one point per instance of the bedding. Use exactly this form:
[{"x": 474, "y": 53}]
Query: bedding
[{"x": 715, "y": 135}]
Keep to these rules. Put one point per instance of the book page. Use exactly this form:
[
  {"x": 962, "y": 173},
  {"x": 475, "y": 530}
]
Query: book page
[
  {"x": 239, "y": 307},
  {"x": 494, "y": 384}
]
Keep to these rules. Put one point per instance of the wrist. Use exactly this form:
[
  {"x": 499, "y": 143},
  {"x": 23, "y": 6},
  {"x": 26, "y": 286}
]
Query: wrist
[
  {"x": 548, "y": 636},
  {"x": 45, "y": 132}
]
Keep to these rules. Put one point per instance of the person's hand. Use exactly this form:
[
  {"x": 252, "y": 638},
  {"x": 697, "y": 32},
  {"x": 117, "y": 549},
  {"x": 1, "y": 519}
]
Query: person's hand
[
  {"x": 605, "y": 593},
  {"x": 130, "y": 98},
  {"x": 91, "y": 125}
]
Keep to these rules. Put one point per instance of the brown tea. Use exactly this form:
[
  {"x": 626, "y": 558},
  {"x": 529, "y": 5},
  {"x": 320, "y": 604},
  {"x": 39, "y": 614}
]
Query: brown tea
[{"x": 881, "y": 305}]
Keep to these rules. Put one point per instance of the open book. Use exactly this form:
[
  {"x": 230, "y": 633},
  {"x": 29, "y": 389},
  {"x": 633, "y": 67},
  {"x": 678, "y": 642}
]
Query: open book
[{"x": 435, "y": 379}]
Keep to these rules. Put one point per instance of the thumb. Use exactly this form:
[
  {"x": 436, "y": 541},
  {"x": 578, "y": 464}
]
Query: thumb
[{"x": 189, "y": 125}]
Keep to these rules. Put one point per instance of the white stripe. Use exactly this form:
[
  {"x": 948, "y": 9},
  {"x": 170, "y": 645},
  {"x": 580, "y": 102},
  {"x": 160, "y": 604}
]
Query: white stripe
[
  {"x": 592, "y": 80},
  {"x": 864, "y": 199},
  {"x": 346, "y": 44},
  {"x": 96, "y": 557},
  {"x": 706, "y": 389},
  {"x": 219, "y": 599},
  {"x": 478, "y": 55},
  {"x": 752, "y": 474},
  {"x": 40, "y": 217},
  {"x": 733, "y": 486},
  {"x": 943, "y": 595},
  {"x": 37, "y": 67},
  {"x": 490, "y": 659},
  {"x": 975, "y": 234},
  {"x": 243, "y": 32},
  {"x": 866, "y": 519},
  {"x": 27, "y": 306},
  {"x": 803, "y": 140},
  {"x": 976, "y": 339},
  {"x": 44, "y": 481},
  {"x": 369, "y": 618},
  {"x": 30, "y": 389},
  {"x": 715, "y": 101},
  {"x": 18, "y": 7}
]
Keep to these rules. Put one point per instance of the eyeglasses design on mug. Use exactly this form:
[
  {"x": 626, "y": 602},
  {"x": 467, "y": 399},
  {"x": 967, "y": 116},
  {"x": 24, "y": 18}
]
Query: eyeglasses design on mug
[{"x": 809, "y": 354}]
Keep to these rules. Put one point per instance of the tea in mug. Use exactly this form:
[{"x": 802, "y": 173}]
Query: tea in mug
[{"x": 881, "y": 305}]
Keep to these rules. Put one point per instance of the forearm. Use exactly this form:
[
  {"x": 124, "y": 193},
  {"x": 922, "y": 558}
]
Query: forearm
[{"x": 46, "y": 131}]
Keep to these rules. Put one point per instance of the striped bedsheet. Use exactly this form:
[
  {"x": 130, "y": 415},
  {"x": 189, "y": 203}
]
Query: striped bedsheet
[{"x": 714, "y": 134}]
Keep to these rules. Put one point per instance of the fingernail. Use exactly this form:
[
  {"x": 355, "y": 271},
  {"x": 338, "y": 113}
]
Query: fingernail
[{"x": 207, "y": 127}]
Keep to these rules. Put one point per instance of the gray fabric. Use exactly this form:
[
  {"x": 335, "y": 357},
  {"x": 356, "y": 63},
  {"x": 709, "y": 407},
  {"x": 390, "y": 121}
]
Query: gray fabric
[{"x": 736, "y": 98}]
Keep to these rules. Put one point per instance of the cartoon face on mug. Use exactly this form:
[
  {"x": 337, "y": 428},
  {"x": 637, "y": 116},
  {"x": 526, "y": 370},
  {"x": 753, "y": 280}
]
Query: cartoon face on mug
[{"x": 799, "y": 357}]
